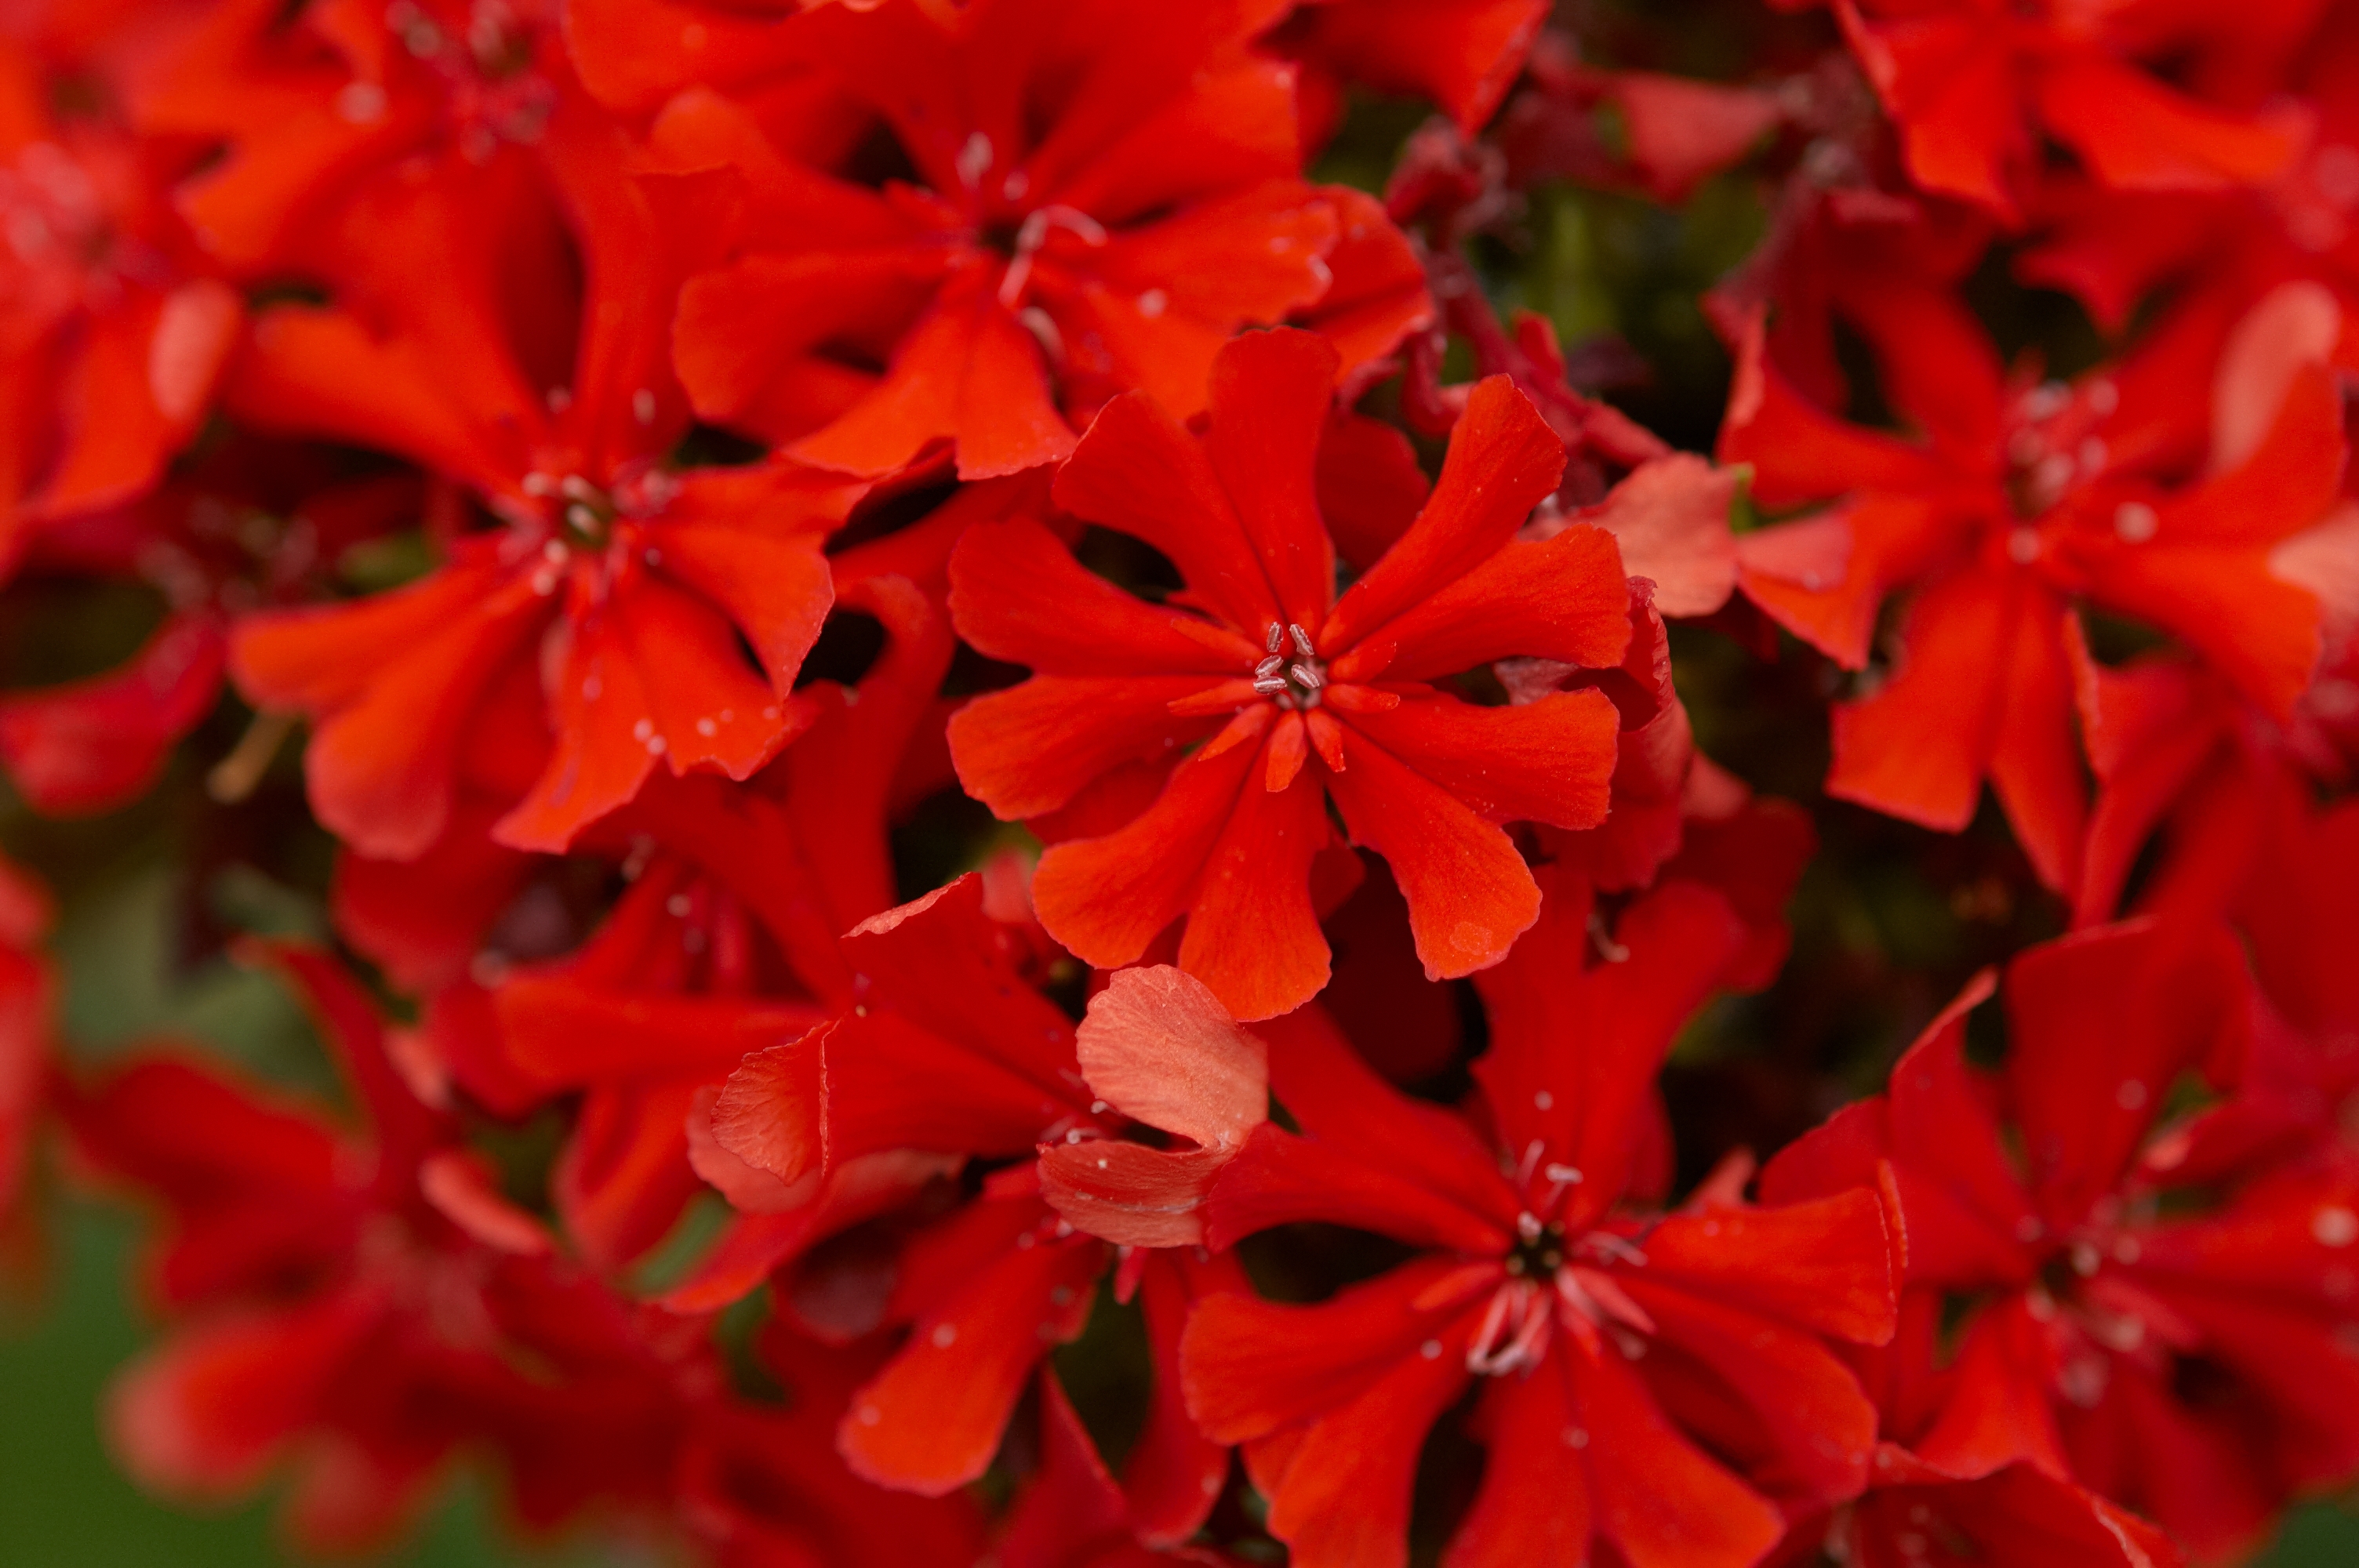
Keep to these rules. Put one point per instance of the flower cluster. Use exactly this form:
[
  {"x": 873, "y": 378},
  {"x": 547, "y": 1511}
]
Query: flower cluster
[{"x": 1024, "y": 833}]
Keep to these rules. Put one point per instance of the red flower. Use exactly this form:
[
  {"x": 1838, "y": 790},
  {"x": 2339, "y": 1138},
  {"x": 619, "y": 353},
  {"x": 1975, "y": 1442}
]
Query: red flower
[
  {"x": 623, "y": 583},
  {"x": 1462, "y": 55},
  {"x": 1976, "y": 84},
  {"x": 948, "y": 1051},
  {"x": 1041, "y": 229},
  {"x": 112, "y": 332},
  {"x": 245, "y": 522},
  {"x": 723, "y": 943},
  {"x": 332, "y": 1283},
  {"x": 320, "y": 109},
  {"x": 1649, "y": 1376},
  {"x": 2183, "y": 1363},
  {"x": 1914, "y": 1512},
  {"x": 2017, "y": 503},
  {"x": 1295, "y": 695},
  {"x": 2207, "y": 257}
]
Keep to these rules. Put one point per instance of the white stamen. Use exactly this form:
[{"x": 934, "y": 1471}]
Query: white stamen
[
  {"x": 361, "y": 104},
  {"x": 973, "y": 159}
]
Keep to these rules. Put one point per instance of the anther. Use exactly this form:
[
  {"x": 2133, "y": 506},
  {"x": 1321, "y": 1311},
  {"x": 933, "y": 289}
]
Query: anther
[
  {"x": 1306, "y": 677},
  {"x": 1276, "y": 639},
  {"x": 1302, "y": 641},
  {"x": 1269, "y": 666}
]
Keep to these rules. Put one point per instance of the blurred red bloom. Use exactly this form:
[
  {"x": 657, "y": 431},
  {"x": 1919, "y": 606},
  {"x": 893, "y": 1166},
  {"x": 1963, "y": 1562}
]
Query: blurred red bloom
[
  {"x": 2186, "y": 1364},
  {"x": 1976, "y": 84},
  {"x": 948, "y": 1051},
  {"x": 1060, "y": 201},
  {"x": 113, "y": 330},
  {"x": 723, "y": 943},
  {"x": 2018, "y": 502},
  {"x": 622, "y": 581}
]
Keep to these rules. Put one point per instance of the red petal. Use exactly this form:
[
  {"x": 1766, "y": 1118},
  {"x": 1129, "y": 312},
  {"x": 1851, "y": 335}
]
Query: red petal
[
  {"x": 1503, "y": 459},
  {"x": 1271, "y": 393},
  {"x": 932, "y": 1421},
  {"x": 1955, "y": 89},
  {"x": 1252, "y": 932},
  {"x": 1576, "y": 1044},
  {"x": 1820, "y": 1265},
  {"x": 1969, "y": 1218},
  {"x": 967, "y": 372},
  {"x": 464, "y": 1188},
  {"x": 1175, "y": 1474},
  {"x": 1370, "y": 1156},
  {"x": 1253, "y": 1367},
  {"x": 1129, "y": 1193},
  {"x": 2104, "y": 1022},
  {"x": 1159, "y": 1048},
  {"x": 1534, "y": 1505},
  {"x": 1671, "y": 517},
  {"x": 1370, "y": 487},
  {"x": 878, "y": 1082},
  {"x": 746, "y": 337},
  {"x": 1470, "y": 894},
  {"x": 1656, "y": 1496},
  {"x": 1567, "y": 599},
  {"x": 1138, "y": 470},
  {"x": 568, "y": 1034},
  {"x": 1378, "y": 297},
  {"x": 1105, "y": 899},
  {"x": 1997, "y": 1408},
  {"x": 1462, "y": 54},
  {"x": 392, "y": 685},
  {"x": 2135, "y": 134},
  {"x": 96, "y": 744},
  {"x": 421, "y": 919},
  {"x": 1017, "y": 594},
  {"x": 1808, "y": 1428},
  {"x": 1160, "y": 301},
  {"x": 1072, "y": 1504},
  {"x": 205, "y": 1415},
  {"x": 1027, "y": 750},
  {"x": 322, "y": 372},
  {"x": 1344, "y": 1502},
  {"x": 1919, "y": 748},
  {"x": 2035, "y": 765},
  {"x": 1800, "y": 453},
  {"x": 765, "y": 568}
]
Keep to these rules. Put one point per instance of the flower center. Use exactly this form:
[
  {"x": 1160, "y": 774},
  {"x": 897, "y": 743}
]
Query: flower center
[
  {"x": 50, "y": 214},
  {"x": 494, "y": 96},
  {"x": 1538, "y": 1252},
  {"x": 1292, "y": 675}
]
